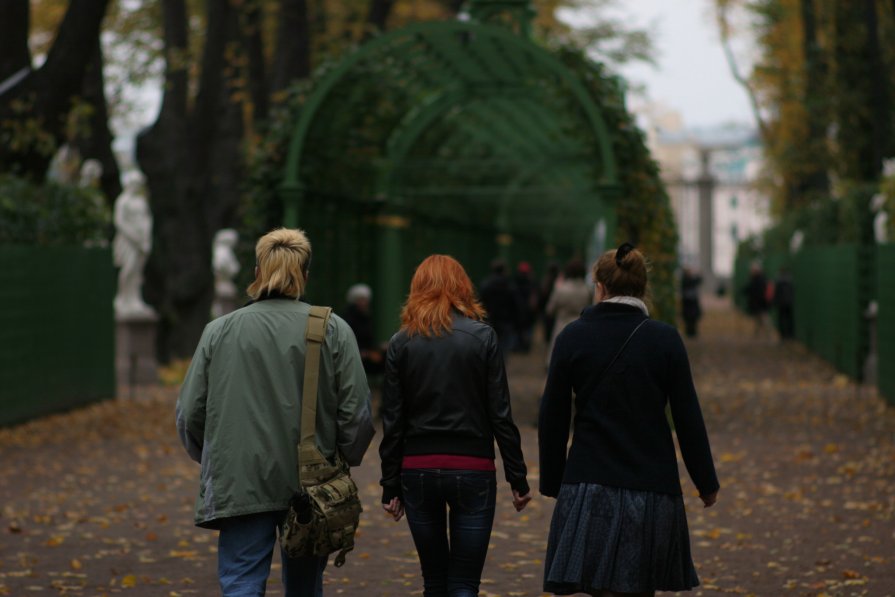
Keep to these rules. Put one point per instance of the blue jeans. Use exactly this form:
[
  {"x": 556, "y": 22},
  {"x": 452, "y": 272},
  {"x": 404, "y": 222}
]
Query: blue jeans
[
  {"x": 452, "y": 566},
  {"x": 245, "y": 550}
]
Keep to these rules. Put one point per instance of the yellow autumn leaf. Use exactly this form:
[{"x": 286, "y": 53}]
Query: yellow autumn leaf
[
  {"x": 76, "y": 565},
  {"x": 129, "y": 581}
]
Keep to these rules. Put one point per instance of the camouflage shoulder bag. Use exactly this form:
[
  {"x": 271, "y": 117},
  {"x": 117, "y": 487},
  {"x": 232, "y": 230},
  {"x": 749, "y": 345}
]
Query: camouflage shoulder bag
[{"x": 324, "y": 513}]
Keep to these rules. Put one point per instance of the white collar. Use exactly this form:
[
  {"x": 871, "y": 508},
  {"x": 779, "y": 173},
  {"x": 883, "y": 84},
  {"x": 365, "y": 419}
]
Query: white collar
[{"x": 628, "y": 300}]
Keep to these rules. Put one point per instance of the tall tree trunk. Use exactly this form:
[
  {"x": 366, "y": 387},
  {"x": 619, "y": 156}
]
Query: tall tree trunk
[
  {"x": 378, "y": 16},
  {"x": 816, "y": 181},
  {"x": 257, "y": 81},
  {"x": 164, "y": 154},
  {"x": 14, "y": 27},
  {"x": 292, "y": 59},
  {"x": 880, "y": 107},
  {"x": 46, "y": 93},
  {"x": 193, "y": 160},
  {"x": 455, "y": 5},
  {"x": 856, "y": 138},
  {"x": 97, "y": 143}
]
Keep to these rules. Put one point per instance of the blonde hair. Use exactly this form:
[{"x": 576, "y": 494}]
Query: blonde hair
[
  {"x": 623, "y": 277},
  {"x": 282, "y": 258}
]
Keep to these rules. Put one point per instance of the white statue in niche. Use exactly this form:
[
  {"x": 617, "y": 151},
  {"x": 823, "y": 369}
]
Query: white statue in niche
[
  {"x": 225, "y": 267},
  {"x": 133, "y": 241},
  {"x": 881, "y": 219}
]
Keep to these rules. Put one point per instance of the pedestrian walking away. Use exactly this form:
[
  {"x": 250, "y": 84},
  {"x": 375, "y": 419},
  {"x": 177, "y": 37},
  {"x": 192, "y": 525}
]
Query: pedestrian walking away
[
  {"x": 501, "y": 305},
  {"x": 757, "y": 294},
  {"x": 784, "y": 303},
  {"x": 691, "y": 311},
  {"x": 571, "y": 295},
  {"x": 445, "y": 402},
  {"x": 238, "y": 414},
  {"x": 619, "y": 525}
]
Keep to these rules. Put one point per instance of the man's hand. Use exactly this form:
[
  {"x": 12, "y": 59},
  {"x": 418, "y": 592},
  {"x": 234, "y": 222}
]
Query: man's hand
[
  {"x": 394, "y": 508},
  {"x": 520, "y": 501}
]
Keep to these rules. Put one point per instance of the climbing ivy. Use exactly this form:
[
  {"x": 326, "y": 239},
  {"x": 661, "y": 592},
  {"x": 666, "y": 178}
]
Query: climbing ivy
[{"x": 644, "y": 210}]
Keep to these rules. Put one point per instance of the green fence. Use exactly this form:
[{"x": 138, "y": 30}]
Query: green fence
[
  {"x": 57, "y": 335},
  {"x": 832, "y": 288},
  {"x": 829, "y": 305},
  {"x": 886, "y": 321}
]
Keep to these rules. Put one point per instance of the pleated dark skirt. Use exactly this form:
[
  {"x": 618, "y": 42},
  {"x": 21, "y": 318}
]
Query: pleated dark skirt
[{"x": 622, "y": 540}]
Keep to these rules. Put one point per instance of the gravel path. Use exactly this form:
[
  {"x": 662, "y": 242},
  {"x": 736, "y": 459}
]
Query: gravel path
[{"x": 99, "y": 501}]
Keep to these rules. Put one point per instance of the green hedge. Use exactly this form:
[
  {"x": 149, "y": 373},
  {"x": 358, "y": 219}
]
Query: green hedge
[{"x": 51, "y": 214}]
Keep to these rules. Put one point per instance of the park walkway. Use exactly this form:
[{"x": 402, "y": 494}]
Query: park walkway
[{"x": 99, "y": 501}]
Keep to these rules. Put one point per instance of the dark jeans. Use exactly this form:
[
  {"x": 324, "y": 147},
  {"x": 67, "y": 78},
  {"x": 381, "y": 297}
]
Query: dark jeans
[{"x": 452, "y": 566}]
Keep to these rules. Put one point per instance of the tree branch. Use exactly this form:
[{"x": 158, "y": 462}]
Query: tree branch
[{"x": 724, "y": 27}]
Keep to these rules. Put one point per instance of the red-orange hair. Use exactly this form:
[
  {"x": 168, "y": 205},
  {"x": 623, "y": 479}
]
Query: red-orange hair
[{"x": 439, "y": 286}]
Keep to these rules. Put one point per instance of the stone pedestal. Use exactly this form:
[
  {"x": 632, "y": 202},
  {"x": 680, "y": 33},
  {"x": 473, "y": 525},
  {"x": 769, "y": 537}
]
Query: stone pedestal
[{"x": 135, "y": 362}]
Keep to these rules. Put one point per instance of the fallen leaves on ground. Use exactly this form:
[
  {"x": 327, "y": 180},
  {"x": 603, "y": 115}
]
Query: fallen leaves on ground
[{"x": 99, "y": 501}]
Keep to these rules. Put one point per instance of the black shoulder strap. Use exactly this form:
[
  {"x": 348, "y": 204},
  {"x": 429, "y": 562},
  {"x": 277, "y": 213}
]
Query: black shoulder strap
[{"x": 621, "y": 350}]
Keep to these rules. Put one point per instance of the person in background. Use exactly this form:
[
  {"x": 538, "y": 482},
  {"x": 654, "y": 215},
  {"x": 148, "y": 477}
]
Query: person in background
[
  {"x": 619, "y": 525},
  {"x": 501, "y": 307},
  {"x": 570, "y": 296},
  {"x": 548, "y": 282},
  {"x": 690, "y": 308},
  {"x": 238, "y": 415},
  {"x": 784, "y": 302},
  {"x": 756, "y": 291},
  {"x": 527, "y": 304},
  {"x": 358, "y": 316},
  {"x": 445, "y": 402}
]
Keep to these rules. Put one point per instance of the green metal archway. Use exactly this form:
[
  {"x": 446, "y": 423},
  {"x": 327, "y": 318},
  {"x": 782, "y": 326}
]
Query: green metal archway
[{"x": 461, "y": 137}]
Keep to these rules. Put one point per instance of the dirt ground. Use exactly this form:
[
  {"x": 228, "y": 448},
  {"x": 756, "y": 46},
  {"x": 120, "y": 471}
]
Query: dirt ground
[{"x": 99, "y": 501}]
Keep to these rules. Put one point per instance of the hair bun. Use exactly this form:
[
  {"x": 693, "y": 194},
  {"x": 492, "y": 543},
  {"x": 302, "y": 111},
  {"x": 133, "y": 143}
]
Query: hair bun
[{"x": 622, "y": 252}]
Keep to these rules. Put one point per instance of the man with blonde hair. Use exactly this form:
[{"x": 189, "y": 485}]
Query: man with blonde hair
[{"x": 238, "y": 415}]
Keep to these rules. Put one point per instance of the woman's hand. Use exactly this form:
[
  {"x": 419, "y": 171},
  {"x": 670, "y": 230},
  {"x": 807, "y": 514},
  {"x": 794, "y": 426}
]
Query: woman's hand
[
  {"x": 709, "y": 500},
  {"x": 394, "y": 508},
  {"x": 520, "y": 501}
]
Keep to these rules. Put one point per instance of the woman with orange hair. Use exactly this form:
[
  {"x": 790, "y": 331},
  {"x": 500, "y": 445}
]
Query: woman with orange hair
[{"x": 445, "y": 402}]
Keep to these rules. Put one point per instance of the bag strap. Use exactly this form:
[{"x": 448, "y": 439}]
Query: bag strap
[
  {"x": 621, "y": 350},
  {"x": 315, "y": 336}
]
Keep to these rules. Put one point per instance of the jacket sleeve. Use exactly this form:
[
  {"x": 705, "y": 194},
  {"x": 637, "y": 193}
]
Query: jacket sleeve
[
  {"x": 500, "y": 414},
  {"x": 354, "y": 419},
  {"x": 554, "y": 418},
  {"x": 190, "y": 408},
  {"x": 688, "y": 421},
  {"x": 391, "y": 450}
]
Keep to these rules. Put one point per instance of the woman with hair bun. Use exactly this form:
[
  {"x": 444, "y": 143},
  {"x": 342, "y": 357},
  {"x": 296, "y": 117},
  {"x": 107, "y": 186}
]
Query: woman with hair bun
[
  {"x": 445, "y": 402},
  {"x": 619, "y": 525}
]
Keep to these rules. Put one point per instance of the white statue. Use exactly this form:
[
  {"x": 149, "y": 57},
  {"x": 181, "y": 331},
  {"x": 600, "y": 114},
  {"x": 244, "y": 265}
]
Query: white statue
[
  {"x": 91, "y": 171},
  {"x": 881, "y": 219},
  {"x": 133, "y": 241},
  {"x": 795, "y": 243},
  {"x": 225, "y": 267},
  {"x": 64, "y": 165}
]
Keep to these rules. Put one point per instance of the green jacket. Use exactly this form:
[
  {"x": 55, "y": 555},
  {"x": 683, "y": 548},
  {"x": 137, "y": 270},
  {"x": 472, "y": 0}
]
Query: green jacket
[{"x": 239, "y": 409}]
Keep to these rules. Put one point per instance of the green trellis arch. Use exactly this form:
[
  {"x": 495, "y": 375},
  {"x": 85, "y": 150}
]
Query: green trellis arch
[{"x": 459, "y": 136}]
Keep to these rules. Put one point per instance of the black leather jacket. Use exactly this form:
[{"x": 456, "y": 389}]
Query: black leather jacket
[{"x": 447, "y": 394}]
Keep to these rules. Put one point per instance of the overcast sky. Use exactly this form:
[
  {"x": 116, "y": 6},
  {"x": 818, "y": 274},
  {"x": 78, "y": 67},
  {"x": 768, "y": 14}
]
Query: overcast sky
[{"x": 691, "y": 75}]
